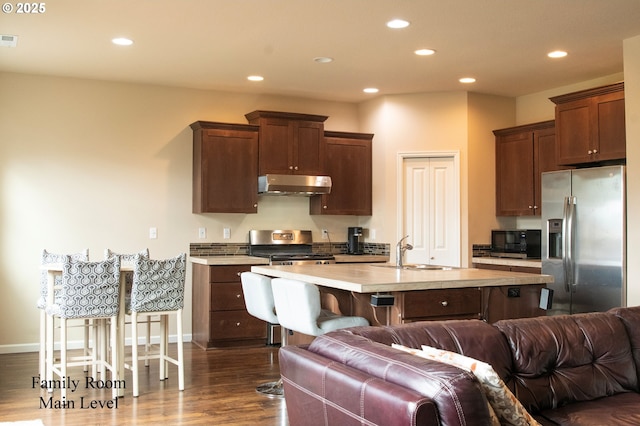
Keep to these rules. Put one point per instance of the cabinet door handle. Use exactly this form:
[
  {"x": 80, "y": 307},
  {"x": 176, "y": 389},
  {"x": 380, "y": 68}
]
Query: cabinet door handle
[
  {"x": 238, "y": 296},
  {"x": 237, "y": 324},
  {"x": 290, "y": 167},
  {"x": 238, "y": 273},
  {"x": 444, "y": 303},
  {"x": 595, "y": 151},
  {"x": 255, "y": 205},
  {"x": 324, "y": 207},
  {"x": 296, "y": 167}
]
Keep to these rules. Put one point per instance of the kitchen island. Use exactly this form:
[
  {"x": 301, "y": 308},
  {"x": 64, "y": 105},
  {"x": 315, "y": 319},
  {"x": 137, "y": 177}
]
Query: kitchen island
[{"x": 418, "y": 295}]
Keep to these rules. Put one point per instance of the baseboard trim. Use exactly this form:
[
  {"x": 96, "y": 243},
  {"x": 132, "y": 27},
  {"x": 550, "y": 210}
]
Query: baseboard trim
[{"x": 78, "y": 344}]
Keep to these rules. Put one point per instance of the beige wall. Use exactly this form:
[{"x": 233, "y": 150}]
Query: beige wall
[
  {"x": 632, "y": 111},
  {"x": 486, "y": 113},
  {"x": 91, "y": 164}
]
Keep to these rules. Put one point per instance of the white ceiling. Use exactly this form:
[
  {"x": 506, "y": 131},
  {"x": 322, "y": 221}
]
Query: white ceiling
[{"x": 216, "y": 44}]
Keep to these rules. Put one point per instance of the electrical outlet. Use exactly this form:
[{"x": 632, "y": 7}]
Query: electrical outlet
[
  {"x": 153, "y": 233},
  {"x": 325, "y": 234},
  {"x": 226, "y": 233},
  {"x": 202, "y": 233}
]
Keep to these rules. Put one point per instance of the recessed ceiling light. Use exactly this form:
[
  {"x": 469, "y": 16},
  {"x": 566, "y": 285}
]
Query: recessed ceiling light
[
  {"x": 370, "y": 90},
  {"x": 557, "y": 54},
  {"x": 424, "y": 52},
  {"x": 122, "y": 41},
  {"x": 323, "y": 59},
  {"x": 255, "y": 78},
  {"x": 467, "y": 80},
  {"x": 398, "y": 23}
]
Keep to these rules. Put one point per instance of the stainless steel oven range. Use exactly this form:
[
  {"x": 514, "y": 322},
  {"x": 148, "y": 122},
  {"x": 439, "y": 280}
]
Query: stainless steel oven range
[{"x": 286, "y": 247}]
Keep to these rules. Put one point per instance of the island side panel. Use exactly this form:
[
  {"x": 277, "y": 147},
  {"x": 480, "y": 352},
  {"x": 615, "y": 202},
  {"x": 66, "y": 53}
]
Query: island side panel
[{"x": 507, "y": 302}]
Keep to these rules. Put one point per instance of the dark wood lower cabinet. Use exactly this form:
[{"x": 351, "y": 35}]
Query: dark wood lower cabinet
[
  {"x": 219, "y": 317},
  {"x": 487, "y": 303}
]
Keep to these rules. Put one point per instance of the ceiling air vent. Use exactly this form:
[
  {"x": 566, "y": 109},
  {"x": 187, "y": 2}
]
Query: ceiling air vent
[{"x": 8, "y": 40}]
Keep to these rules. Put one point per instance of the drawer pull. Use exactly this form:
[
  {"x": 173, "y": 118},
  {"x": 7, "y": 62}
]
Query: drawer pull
[
  {"x": 237, "y": 324},
  {"x": 238, "y": 273},
  {"x": 444, "y": 303},
  {"x": 238, "y": 296}
]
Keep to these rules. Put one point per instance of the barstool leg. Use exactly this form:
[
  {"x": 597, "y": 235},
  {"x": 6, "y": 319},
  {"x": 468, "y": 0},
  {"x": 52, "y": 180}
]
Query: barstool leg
[
  {"x": 180, "y": 351},
  {"x": 63, "y": 356},
  {"x": 42, "y": 360},
  {"x": 147, "y": 346},
  {"x": 49, "y": 349},
  {"x": 163, "y": 346},
  {"x": 134, "y": 352},
  {"x": 114, "y": 354},
  {"x": 87, "y": 326}
]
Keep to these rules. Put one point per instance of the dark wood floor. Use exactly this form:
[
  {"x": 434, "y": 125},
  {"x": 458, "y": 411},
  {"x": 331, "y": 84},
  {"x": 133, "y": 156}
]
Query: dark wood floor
[{"x": 219, "y": 390}]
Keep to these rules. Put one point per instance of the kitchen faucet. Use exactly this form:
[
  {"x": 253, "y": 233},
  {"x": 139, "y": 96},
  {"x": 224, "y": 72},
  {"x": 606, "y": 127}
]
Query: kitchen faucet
[{"x": 400, "y": 249}]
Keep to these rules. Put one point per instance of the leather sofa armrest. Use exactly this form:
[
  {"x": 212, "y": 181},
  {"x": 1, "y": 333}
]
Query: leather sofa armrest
[
  {"x": 319, "y": 391},
  {"x": 345, "y": 368}
]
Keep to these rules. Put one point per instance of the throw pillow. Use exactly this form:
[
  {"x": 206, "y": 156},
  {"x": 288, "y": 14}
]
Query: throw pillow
[
  {"x": 506, "y": 406},
  {"x": 494, "y": 421}
]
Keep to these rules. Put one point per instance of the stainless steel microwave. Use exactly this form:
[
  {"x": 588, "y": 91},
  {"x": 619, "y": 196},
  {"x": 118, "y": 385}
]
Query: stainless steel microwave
[{"x": 516, "y": 243}]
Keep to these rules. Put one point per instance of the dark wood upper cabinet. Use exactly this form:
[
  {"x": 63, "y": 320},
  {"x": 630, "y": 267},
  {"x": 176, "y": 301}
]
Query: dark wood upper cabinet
[
  {"x": 225, "y": 167},
  {"x": 348, "y": 158},
  {"x": 523, "y": 153},
  {"x": 289, "y": 143},
  {"x": 590, "y": 125}
]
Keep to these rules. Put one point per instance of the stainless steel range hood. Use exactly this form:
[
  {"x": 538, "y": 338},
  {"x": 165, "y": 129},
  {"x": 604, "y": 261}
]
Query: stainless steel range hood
[{"x": 272, "y": 184}]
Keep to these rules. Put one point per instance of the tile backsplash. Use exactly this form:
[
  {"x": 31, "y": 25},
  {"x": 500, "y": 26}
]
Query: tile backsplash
[
  {"x": 481, "y": 250},
  {"x": 240, "y": 249}
]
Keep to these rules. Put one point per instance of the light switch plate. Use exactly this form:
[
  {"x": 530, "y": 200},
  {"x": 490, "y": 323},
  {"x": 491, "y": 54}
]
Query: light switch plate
[
  {"x": 226, "y": 233},
  {"x": 153, "y": 233},
  {"x": 202, "y": 233}
]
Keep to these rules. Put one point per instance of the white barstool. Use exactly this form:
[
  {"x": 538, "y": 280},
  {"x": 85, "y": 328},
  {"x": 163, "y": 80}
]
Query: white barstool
[
  {"x": 258, "y": 298},
  {"x": 299, "y": 309},
  {"x": 89, "y": 291},
  {"x": 48, "y": 258},
  {"x": 158, "y": 289}
]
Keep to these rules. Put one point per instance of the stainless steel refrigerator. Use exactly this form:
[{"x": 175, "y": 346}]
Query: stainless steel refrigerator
[{"x": 583, "y": 238}]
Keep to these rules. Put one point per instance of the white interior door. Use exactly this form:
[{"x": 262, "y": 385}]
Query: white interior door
[{"x": 430, "y": 212}]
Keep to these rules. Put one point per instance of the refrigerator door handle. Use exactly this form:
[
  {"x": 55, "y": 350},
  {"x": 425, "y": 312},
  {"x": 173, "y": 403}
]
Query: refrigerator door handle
[{"x": 568, "y": 228}]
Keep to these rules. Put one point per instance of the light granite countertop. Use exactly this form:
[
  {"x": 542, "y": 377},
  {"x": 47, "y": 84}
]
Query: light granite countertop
[
  {"x": 527, "y": 263},
  {"x": 369, "y": 278},
  {"x": 228, "y": 260}
]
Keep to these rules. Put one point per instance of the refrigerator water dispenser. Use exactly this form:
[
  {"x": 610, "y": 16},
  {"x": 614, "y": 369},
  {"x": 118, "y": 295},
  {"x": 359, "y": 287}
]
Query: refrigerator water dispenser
[{"x": 555, "y": 238}]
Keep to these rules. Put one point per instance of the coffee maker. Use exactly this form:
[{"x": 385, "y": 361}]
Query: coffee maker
[{"x": 354, "y": 240}]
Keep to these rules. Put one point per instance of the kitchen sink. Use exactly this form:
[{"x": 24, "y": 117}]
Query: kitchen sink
[{"x": 417, "y": 267}]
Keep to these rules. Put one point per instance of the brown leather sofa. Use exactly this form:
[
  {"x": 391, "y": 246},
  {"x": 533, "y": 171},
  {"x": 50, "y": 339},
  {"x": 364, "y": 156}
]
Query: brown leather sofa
[{"x": 565, "y": 370}]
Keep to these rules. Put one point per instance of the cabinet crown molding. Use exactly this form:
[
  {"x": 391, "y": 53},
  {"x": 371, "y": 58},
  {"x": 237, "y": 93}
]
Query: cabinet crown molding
[
  {"x": 285, "y": 115},
  {"x": 525, "y": 128},
  {"x": 583, "y": 94},
  {"x": 203, "y": 125}
]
